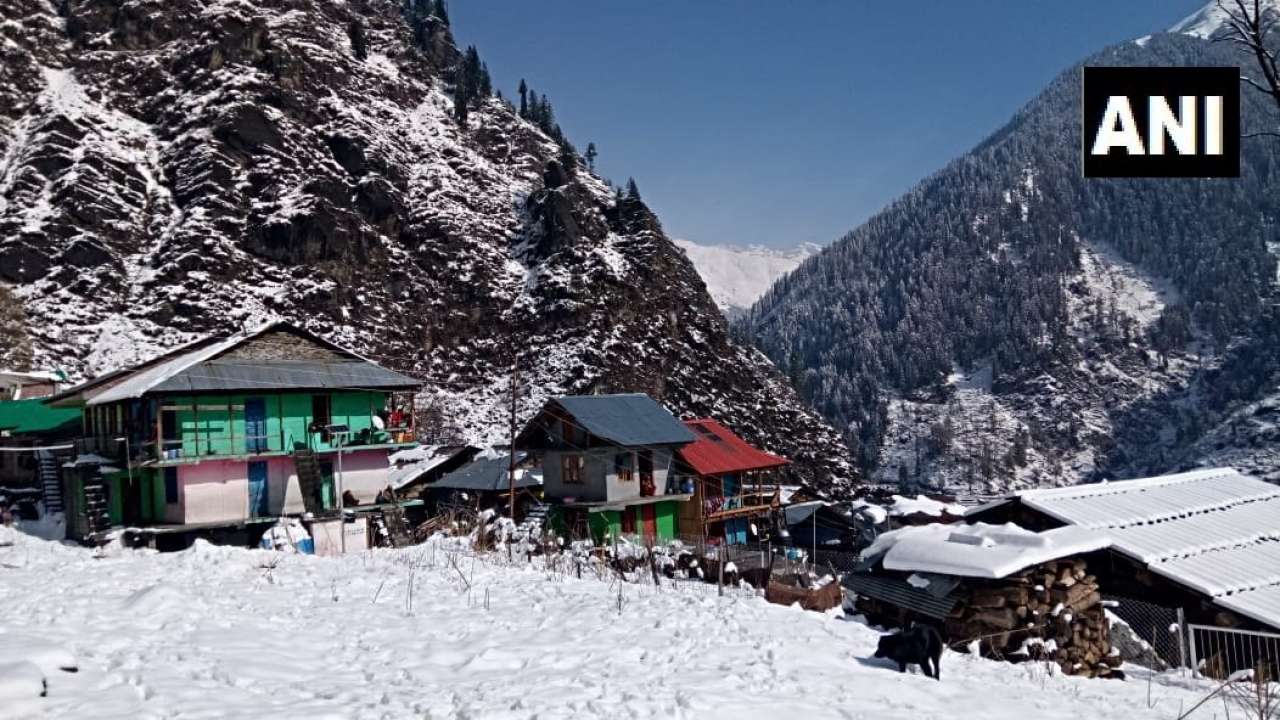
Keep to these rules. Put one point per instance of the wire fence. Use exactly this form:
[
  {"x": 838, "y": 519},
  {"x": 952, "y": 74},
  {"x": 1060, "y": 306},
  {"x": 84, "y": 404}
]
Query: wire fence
[
  {"x": 1219, "y": 653},
  {"x": 1150, "y": 635}
]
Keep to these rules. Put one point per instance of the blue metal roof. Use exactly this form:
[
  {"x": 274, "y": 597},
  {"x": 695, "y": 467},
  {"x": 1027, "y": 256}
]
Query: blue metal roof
[
  {"x": 627, "y": 420},
  {"x": 487, "y": 474}
]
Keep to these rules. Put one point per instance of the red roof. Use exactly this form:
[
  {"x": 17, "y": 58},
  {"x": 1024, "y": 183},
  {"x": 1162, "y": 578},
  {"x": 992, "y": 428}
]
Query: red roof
[{"x": 718, "y": 451}]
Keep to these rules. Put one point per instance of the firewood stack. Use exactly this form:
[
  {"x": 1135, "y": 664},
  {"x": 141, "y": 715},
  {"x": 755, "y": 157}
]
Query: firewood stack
[{"x": 1049, "y": 612}]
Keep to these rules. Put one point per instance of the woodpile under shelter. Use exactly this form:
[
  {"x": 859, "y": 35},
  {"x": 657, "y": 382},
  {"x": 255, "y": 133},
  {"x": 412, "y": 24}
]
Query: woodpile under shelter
[
  {"x": 1206, "y": 541},
  {"x": 1004, "y": 591}
]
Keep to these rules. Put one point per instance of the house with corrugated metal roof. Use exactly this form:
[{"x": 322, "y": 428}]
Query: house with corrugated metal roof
[
  {"x": 234, "y": 432},
  {"x": 1206, "y": 541},
  {"x": 607, "y": 465},
  {"x": 735, "y": 485}
]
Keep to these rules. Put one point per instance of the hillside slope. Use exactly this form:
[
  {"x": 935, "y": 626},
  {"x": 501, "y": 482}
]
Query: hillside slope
[
  {"x": 170, "y": 168},
  {"x": 1009, "y": 323}
]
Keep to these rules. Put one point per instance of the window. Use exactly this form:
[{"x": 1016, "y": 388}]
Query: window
[
  {"x": 320, "y": 416},
  {"x": 170, "y": 485},
  {"x": 622, "y": 467},
  {"x": 571, "y": 469}
]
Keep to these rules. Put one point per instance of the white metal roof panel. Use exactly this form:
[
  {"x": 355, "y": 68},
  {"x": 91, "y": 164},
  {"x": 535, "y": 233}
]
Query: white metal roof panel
[{"x": 1215, "y": 531}]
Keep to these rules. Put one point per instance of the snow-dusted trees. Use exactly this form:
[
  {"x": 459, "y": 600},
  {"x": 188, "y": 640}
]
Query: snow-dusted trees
[
  {"x": 359, "y": 44},
  {"x": 15, "y": 345}
]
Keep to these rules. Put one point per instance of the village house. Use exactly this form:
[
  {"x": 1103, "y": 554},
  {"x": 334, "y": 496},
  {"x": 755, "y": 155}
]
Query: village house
[
  {"x": 232, "y": 433},
  {"x": 485, "y": 483},
  {"x": 607, "y": 465},
  {"x": 735, "y": 485}
]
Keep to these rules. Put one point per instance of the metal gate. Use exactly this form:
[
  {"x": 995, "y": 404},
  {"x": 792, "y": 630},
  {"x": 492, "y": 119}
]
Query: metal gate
[{"x": 1218, "y": 652}]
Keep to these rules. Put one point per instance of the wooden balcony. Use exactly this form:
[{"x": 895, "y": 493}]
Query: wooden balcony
[{"x": 744, "y": 504}]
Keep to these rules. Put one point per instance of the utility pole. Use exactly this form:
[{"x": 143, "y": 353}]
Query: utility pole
[
  {"x": 340, "y": 433},
  {"x": 511, "y": 455}
]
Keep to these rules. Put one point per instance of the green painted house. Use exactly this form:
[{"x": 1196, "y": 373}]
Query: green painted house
[{"x": 235, "y": 431}]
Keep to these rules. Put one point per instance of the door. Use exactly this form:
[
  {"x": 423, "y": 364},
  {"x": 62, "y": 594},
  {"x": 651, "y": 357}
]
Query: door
[
  {"x": 646, "y": 473},
  {"x": 328, "y": 500},
  {"x": 650, "y": 518},
  {"x": 255, "y": 425},
  {"x": 258, "y": 489}
]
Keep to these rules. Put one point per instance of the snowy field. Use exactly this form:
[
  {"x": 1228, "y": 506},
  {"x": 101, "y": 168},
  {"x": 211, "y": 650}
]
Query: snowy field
[{"x": 229, "y": 633}]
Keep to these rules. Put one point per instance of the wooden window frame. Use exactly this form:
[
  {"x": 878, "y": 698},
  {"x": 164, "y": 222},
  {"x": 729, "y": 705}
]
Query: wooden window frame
[
  {"x": 571, "y": 469},
  {"x": 625, "y": 472}
]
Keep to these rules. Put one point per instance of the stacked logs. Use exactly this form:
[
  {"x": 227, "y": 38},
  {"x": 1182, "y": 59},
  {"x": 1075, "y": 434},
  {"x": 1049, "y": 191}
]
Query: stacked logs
[{"x": 1048, "y": 612}]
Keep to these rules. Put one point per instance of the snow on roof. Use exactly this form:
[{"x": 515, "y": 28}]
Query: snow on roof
[
  {"x": 1216, "y": 531},
  {"x": 980, "y": 550},
  {"x": 923, "y": 505},
  {"x": 412, "y": 463}
]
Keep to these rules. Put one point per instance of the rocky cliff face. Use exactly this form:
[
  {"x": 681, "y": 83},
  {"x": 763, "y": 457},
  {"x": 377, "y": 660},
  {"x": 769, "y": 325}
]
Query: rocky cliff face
[{"x": 170, "y": 168}]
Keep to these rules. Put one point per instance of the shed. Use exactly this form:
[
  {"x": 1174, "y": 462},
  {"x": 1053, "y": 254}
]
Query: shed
[
  {"x": 1018, "y": 594},
  {"x": 1207, "y": 540}
]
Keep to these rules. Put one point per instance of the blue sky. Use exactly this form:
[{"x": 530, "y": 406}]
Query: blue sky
[{"x": 782, "y": 122}]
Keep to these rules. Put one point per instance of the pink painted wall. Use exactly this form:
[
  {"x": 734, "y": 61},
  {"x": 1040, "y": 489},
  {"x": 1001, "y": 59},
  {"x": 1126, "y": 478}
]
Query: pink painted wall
[
  {"x": 214, "y": 491},
  {"x": 218, "y": 490}
]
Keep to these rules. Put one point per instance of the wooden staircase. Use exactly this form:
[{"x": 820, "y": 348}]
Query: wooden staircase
[
  {"x": 50, "y": 480},
  {"x": 310, "y": 481}
]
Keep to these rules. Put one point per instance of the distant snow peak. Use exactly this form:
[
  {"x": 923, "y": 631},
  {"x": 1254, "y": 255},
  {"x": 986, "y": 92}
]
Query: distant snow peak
[
  {"x": 737, "y": 276},
  {"x": 1211, "y": 18}
]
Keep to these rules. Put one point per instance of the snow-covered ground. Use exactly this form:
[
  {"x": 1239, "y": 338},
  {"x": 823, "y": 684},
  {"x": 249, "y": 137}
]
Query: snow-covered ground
[
  {"x": 219, "y": 632},
  {"x": 737, "y": 276}
]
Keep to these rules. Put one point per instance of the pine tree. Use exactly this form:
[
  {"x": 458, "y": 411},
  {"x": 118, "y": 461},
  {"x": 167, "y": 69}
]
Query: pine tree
[
  {"x": 460, "y": 103},
  {"x": 359, "y": 45},
  {"x": 524, "y": 99},
  {"x": 591, "y": 156},
  {"x": 485, "y": 87},
  {"x": 633, "y": 192},
  {"x": 441, "y": 11}
]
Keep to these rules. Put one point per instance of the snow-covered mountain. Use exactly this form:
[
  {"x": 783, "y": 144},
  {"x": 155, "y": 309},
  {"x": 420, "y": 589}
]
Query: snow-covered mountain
[
  {"x": 169, "y": 169},
  {"x": 737, "y": 276},
  {"x": 1213, "y": 17},
  {"x": 1009, "y": 323}
]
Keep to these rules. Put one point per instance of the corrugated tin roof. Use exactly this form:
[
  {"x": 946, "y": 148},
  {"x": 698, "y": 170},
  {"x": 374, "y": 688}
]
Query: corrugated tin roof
[
  {"x": 1215, "y": 531},
  {"x": 627, "y": 420},
  {"x": 900, "y": 593},
  {"x": 488, "y": 474},
  {"x": 199, "y": 370},
  {"x": 717, "y": 451}
]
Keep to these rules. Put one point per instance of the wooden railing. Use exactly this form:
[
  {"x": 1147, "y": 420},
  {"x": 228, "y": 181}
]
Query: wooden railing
[{"x": 745, "y": 503}]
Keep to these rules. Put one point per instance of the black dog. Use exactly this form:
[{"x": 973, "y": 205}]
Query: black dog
[{"x": 917, "y": 645}]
